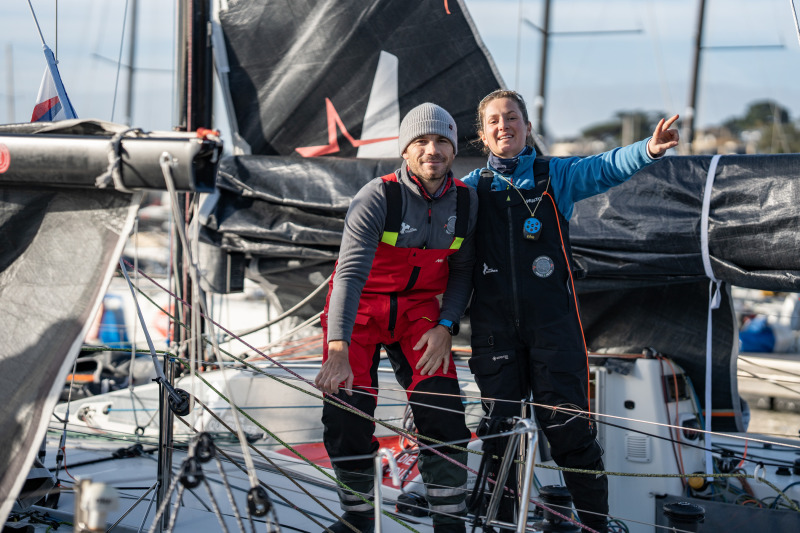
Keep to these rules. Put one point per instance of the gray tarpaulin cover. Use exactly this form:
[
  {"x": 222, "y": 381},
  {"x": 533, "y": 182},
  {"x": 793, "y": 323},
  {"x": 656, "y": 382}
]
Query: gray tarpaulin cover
[
  {"x": 639, "y": 246},
  {"x": 58, "y": 250}
]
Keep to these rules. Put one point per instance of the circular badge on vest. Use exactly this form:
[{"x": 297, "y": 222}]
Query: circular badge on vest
[
  {"x": 451, "y": 226},
  {"x": 543, "y": 266}
]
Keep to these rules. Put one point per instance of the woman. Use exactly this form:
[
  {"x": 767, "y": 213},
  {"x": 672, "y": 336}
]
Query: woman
[{"x": 526, "y": 331}]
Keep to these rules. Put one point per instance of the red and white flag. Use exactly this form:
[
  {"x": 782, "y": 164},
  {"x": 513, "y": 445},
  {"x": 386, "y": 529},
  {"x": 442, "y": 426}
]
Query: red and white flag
[{"x": 52, "y": 103}]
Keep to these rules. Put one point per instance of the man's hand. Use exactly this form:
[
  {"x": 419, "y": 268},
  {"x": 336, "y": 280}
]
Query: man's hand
[
  {"x": 663, "y": 138},
  {"x": 335, "y": 369},
  {"x": 437, "y": 353}
]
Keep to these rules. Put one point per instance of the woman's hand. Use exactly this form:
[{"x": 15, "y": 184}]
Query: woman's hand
[{"x": 663, "y": 138}]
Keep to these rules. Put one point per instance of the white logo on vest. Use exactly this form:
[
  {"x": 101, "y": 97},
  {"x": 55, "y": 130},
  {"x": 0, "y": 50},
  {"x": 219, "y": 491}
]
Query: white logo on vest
[
  {"x": 405, "y": 228},
  {"x": 543, "y": 266},
  {"x": 487, "y": 270}
]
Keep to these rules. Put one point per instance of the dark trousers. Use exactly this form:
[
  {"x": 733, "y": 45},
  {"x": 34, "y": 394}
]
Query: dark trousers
[{"x": 508, "y": 371}]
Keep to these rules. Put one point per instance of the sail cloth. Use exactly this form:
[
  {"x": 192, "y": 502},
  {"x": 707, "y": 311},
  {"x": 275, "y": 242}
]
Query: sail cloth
[
  {"x": 58, "y": 250},
  {"x": 327, "y": 77},
  {"x": 325, "y": 84}
]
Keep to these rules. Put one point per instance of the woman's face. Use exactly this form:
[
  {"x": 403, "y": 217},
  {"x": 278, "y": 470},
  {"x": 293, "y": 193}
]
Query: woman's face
[{"x": 504, "y": 128}]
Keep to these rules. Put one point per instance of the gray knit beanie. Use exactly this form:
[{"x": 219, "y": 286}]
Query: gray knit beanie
[{"x": 427, "y": 119}]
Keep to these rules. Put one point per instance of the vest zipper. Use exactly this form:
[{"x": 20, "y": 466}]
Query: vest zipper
[
  {"x": 513, "y": 267},
  {"x": 392, "y": 313}
]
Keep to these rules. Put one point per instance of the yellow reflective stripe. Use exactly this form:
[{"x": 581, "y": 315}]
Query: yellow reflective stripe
[
  {"x": 389, "y": 237},
  {"x": 457, "y": 243}
]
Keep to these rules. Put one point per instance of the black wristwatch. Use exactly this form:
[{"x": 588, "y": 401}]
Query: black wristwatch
[{"x": 451, "y": 326}]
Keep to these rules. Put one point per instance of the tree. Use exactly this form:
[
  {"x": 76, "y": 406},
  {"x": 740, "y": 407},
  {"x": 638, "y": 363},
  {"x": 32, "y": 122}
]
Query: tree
[
  {"x": 633, "y": 125},
  {"x": 770, "y": 123}
]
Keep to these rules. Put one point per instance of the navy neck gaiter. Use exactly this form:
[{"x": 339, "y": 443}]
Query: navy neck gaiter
[{"x": 507, "y": 166}]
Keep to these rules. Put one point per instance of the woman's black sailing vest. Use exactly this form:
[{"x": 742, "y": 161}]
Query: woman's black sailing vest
[{"x": 523, "y": 287}]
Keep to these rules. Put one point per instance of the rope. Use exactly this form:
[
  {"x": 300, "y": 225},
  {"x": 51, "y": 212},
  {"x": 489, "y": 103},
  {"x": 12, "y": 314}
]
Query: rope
[
  {"x": 271, "y": 462},
  {"x": 285, "y": 314},
  {"x": 603, "y": 415},
  {"x": 556, "y": 468},
  {"x": 112, "y": 173}
]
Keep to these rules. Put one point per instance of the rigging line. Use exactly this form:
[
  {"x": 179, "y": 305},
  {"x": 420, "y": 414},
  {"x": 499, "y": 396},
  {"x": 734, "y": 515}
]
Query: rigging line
[
  {"x": 767, "y": 380},
  {"x": 133, "y": 344},
  {"x": 330, "y": 399},
  {"x": 530, "y": 403},
  {"x": 292, "y": 331},
  {"x": 694, "y": 430},
  {"x": 270, "y": 461},
  {"x": 132, "y": 507},
  {"x": 288, "y": 312},
  {"x": 229, "y": 492},
  {"x": 794, "y": 12},
  {"x": 298, "y": 454},
  {"x": 397, "y": 429},
  {"x": 38, "y": 28},
  {"x": 782, "y": 371},
  {"x": 119, "y": 60},
  {"x": 141, "y": 319},
  {"x": 166, "y": 160},
  {"x": 63, "y": 439}
]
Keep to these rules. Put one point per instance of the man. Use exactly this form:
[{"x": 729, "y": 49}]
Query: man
[{"x": 408, "y": 238}]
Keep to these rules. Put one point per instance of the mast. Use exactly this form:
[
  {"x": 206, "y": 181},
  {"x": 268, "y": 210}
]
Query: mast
[
  {"x": 194, "y": 73},
  {"x": 539, "y": 103},
  {"x": 688, "y": 119},
  {"x": 193, "y": 84},
  {"x": 131, "y": 61}
]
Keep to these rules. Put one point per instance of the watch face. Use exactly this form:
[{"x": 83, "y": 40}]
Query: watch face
[{"x": 454, "y": 329}]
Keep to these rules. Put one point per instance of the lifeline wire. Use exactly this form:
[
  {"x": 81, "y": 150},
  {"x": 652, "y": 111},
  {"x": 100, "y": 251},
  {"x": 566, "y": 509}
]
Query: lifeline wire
[{"x": 605, "y": 415}]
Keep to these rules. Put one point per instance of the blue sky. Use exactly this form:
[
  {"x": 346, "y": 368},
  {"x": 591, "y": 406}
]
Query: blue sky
[{"x": 590, "y": 77}]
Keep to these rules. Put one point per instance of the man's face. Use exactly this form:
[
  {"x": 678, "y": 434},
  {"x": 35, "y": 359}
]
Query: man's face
[{"x": 429, "y": 157}]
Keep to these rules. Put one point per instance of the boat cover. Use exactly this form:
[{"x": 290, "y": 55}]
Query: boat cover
[{"x": 639, "y": 246}]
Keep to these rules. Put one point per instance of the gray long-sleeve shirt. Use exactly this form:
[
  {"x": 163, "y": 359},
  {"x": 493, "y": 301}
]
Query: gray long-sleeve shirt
[{"x": 363, "y": 228}]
